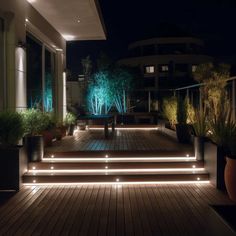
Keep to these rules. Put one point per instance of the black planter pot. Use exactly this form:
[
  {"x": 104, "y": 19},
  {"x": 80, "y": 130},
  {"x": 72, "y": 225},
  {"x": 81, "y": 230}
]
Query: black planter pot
[
  {"x": 71, "y": 130},
  {"x": 13, "y": 164},
  {"x": 35, "y": 148},
  {"x": 214, "y": 159},
  {"x": 199, "y": 148},
  {"x": 183, "y": 133}
]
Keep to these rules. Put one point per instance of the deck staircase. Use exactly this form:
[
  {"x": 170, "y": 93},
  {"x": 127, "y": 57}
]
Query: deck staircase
[{"x": 116, "y": 167}]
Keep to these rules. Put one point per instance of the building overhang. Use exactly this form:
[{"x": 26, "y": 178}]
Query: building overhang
[{"x": 73, "y": 19}]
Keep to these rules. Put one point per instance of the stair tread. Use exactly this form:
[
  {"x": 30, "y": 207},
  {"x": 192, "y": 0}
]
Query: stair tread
[{"x": 48, "y": 173}]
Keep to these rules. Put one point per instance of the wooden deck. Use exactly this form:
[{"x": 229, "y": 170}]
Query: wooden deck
[
  {"x": 112, "y": 210},
  {"x": 93, "y": 140}
]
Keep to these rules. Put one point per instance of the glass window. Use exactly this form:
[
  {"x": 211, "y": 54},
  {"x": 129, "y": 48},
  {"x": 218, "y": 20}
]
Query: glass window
[
  {"x": 34, "y": 73},
  {"x": 48, "y": 102},
  {"x": 40, "y": 84},
  {"x": 163, "y": 68},
  {"x": 2, "y": 63},
  {"x": 149, "y": 69}
]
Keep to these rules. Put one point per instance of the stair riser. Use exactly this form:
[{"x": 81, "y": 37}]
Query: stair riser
[
  {"x": 127, "y": 165},
  {"x": 113, "y": 178}
]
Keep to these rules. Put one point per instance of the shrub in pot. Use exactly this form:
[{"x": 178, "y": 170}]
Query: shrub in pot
[
  {"x": 35, "y": 122},
  {"x": 170, "y": 110},
  {"x": 70, "y": 121},
  {"x": 12, "y": 156},
  {"x": 223, "y": 132},
  {"x": 48, "y": 132},
  {"x": 182, "y": 128}
]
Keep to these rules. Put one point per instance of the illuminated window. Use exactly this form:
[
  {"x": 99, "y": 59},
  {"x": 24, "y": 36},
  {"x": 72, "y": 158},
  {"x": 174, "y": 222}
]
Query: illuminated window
[
  {"x": 194, "y": 67},
  {"x": 163, "y": 68},
  {"x": 149, "y": 69}
]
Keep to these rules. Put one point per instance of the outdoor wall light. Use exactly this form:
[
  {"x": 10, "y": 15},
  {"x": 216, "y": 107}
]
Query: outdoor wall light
[{"x": 21, "y": 44}]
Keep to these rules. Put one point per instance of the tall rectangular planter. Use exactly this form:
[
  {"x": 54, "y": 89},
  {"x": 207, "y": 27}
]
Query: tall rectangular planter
[
  {"x": 13, "y": 164},
  {"x": 214, "y": 158}
]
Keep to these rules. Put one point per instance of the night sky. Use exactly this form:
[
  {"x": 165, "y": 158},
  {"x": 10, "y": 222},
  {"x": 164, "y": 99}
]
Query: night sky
[{"x": 126, "y": 21}]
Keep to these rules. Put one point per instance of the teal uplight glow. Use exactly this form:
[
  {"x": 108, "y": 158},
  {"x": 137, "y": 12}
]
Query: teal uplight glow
[{"x": 108, "y": 89}]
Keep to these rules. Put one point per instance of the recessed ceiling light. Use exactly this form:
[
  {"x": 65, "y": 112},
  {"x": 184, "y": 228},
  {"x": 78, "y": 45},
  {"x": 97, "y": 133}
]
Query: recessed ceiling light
[
  {"x": 68, "y": 37},
  {"x": 26, "y": 20},
  {"x": 79, "y": 21}
]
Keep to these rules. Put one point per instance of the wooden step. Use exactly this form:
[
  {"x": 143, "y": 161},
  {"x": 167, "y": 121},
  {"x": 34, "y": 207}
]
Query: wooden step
[
  {"x": 48, "y": 165},
  {"x": 50, "y": 178},
  {"x": 115, "y": 153}
]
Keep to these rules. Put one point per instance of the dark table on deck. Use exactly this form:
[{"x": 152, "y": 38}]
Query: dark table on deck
[{"x": 106, "y": 119}]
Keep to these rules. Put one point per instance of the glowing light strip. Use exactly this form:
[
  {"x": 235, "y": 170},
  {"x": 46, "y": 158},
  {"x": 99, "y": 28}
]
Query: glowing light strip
[
  {"x": 127, "y": 128},
  {"x": 120, "y": 183},
  {"x": 117, "y": 170},
  {"x": 120, "y": 159}
]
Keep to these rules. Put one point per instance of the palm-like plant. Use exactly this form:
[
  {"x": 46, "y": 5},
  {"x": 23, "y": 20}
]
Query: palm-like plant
[
  {"x": 200, "y": 124},
  {"x": 223, "y": 128}
]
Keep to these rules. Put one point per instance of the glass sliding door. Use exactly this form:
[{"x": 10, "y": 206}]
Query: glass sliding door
[
  {"x": 2, "y": 66},
  {"x": 34, "y": 73},
  {"x": 49, "y": 81}
]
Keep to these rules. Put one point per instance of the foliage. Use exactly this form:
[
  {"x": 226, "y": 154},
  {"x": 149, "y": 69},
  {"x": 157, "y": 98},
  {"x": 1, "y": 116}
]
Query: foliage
[
  {"x": 121, "y": 84},
  {"x": 11, "y": 128},
  {"x": 190, "y": 111},
  {"x": 100, "y": 98},
  {"x": 50, "y": 120},
  {"x": 70, "y": 119},
  {"x": 109, "y": 88},
  {"x": 223, "y": 128},
  {"x": 200, "y": 124},
  {"x": 182, "y": 108},
  {"x": 214, "y": 79},
  {"x": 48, "y": 94},
  {"x": 170, "y": 110},
  {"x": 35, "y": 121}
]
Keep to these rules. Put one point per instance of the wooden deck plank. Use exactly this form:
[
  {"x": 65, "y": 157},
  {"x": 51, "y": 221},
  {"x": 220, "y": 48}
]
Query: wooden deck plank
[
  {"x": 79, "y": 218},
  {"x": 102, "y": 228},
  {"x": 80, "y": 195},
  {"x": 97, "y": 213},
  {"x": 121, "y": 140},
  {"x": 41, "y": 212},
  {"x": 138, "y": 229},
  {"x": 19, "y": 211},
  {"x": 112, "y": 210},
  {"x": 129, "y": 227}
]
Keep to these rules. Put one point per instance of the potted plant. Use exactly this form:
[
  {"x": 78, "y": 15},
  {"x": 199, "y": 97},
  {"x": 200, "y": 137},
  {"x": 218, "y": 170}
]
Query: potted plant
[
  {"x": 170, "y": 110},
  {"x": 182, "y": 128},
  {"x": 200, "y": 129},
  {"x": 222, "y": 129},
  {"x": 70, "y": 122},
  {"x": 230, "y": 167},
  {"x": 48, "y": 132},
  {"x": 12, "y": 156},
  {"x": 35, "y": 122}
]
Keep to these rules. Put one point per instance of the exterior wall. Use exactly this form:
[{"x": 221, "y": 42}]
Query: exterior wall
[
  {"x": 14, "y": 13},
  {"x": 156, "y": 59}
]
